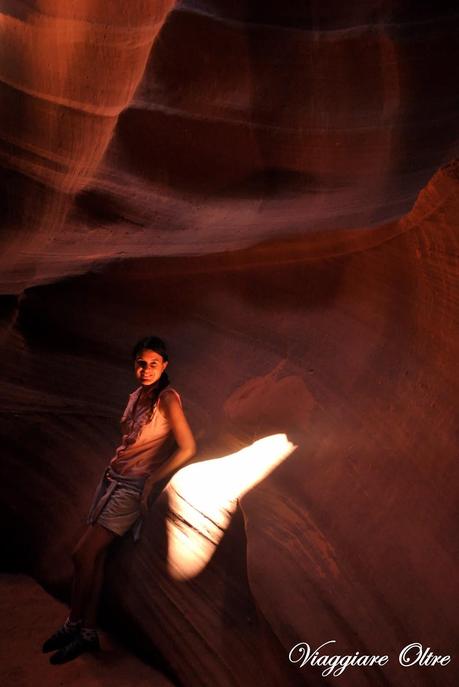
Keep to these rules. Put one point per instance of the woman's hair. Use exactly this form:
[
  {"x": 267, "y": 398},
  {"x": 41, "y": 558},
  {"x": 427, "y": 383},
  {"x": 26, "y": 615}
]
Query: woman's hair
[
  {"x": 151, "y": 343},
  {"x": 154, "y": 343}
]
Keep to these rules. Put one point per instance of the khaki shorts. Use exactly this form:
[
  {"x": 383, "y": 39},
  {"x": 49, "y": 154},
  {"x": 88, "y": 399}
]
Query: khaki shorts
[{"x": 116, "y": 503}]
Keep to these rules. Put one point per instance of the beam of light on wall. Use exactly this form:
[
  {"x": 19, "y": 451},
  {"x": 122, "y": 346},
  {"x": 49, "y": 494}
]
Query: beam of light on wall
[{"x": 203, "y": 497}]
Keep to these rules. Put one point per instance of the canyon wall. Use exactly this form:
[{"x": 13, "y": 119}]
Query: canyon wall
[{"x": 269, "y": 190}]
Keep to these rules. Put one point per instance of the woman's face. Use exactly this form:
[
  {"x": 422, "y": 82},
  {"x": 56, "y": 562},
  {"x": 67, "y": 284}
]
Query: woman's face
[{"x": 149, "y": 366}]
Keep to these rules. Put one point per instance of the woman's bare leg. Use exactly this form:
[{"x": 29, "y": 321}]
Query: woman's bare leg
[
  {"x": 92, "y": 602},
  {"x": 86, "y": 556}
]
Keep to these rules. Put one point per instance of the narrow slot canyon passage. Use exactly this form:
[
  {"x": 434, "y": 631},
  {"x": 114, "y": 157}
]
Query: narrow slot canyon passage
[{"x": 272, "y": 189}]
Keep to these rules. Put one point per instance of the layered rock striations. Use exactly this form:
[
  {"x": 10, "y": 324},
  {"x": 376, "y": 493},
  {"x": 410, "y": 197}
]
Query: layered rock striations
[
  {"x": 250, "y": 123},
  {"x": 352, "y": 356},
  {"x": 67, "y": 70},
  {"x": 276, "y": 217}
]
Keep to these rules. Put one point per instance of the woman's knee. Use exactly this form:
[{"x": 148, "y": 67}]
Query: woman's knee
[{"x": 85, "y": 554}]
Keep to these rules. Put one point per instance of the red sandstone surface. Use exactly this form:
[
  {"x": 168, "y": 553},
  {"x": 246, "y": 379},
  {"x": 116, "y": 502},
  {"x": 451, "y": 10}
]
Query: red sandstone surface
[
  {"x": 268, "y": 188},
  {"x": 28, "y": 615}
]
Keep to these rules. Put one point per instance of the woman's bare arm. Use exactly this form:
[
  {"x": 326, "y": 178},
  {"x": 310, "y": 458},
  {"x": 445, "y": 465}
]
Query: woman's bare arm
[{"x": 186, "y": 445}]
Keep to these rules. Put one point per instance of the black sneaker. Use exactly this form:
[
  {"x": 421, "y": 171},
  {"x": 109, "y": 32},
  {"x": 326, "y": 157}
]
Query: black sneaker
[
  {"x": 75, "y": 648},
  {"x": 60, "y": 638}
]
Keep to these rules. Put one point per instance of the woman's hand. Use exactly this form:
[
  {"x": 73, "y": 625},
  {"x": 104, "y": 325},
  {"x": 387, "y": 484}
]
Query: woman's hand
[
  {"x": 147, "y": 489},
  {"x": 144, "y": 503}
]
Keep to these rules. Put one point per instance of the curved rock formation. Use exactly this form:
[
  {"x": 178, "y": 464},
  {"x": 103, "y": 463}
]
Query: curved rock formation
[
  {"x": 253, "y": 207},
  {"x": 250, "y": 123}
]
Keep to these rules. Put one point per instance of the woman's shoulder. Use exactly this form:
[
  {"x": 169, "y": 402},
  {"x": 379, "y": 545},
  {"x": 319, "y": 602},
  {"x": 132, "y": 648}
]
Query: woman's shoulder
[{"x": 168, "y": 393}]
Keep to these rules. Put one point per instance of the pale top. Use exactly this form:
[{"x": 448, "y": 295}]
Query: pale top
[{"x": 146, "y": 443}]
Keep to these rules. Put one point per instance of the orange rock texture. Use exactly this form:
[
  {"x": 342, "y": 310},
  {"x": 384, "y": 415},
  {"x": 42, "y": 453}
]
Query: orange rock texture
[{"x": 273, "y": 190}]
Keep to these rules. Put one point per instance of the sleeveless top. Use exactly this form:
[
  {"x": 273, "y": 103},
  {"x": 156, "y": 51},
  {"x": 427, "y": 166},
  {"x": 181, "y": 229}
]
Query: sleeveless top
[{"x": 147, "y": 437}]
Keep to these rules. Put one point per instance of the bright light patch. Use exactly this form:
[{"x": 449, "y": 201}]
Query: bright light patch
[{"x": 203, "y": 497}]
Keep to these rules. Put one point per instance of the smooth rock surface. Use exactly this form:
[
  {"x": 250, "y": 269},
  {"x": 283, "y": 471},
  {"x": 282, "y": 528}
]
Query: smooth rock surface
[
  {"x": 28, "y": 617},
  {"x": 251, "y": 122},
  {"x": 353, "y": 357},
  {"x": 264, "y": 188}
]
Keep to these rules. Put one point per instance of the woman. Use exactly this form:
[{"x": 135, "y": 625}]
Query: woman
[{"x": 152, "y": 424}]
